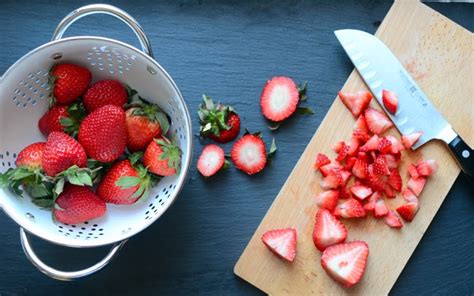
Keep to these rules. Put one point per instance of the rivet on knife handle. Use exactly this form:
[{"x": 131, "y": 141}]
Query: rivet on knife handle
[{"x": 464, "y": 155}]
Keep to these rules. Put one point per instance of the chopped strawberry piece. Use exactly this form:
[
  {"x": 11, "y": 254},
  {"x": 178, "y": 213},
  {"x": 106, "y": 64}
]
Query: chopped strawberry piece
[
  {"x": 321, "y": 160},
  {"x": 360, "y": 135},
  {"x": 409, "y": 196},
  {"x": 385, "y": 146},
  {"x": 329, "y": 168},
  {"x": 356, "y": 102},
  {"x": 353, "y": 147},
  {"x": 391, "y": 160},
  {"x": 328, "y": 230},
  {"x": 377, "y": 122},
  {"x": 376, "y": 182},
  {"x": 282, "y": 242},
  {"x": 395, "y": 180},
  {"x": 361, "y": 125},
  {"x": 338, "y": 146},
  {"x": 360, "y": 169},
  {"x": 380, "y": 167},
  {"x": 427, "y": 168},
  {"x": 413, "y": 171},
  {"x": 343, "y": 153},
  {"x": 407, "y": 211},
  {"x": 393, "y": 220},
  {"x": 363, "y": 156},
  {"x": 390, "y": 101},
  {"x": 371, "y": 145},
  {"x": 344, "y": 193},
  {"x": 327, "y": 199},
  {"x": 370, "y": 205},
  {"x": 389, "y": 192},
  {"x": 345, "y": 177},
  {"x": 397, "y": 146},
  {"x": 350, "y": 208},
  {"x": 332, "y": 180},
  {"x": 416, "y": 185},
  {"x": 409, "y": 140},
  {"x": 350, "y": 161},
  {"x": 361, "y": 191},
  {"x": 381, "y": 209}
]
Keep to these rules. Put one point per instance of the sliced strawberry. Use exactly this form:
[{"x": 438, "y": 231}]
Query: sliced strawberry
[
  {"x": 344, "y": 193},
  {"x": 327, "y": 199},
  {"x": 416, "y": 185},
  {"x": 249, "y": 154},
  {"x": 279, "y": 99},
  {"x": 361, "y": 191},
  {"x": 329, "y": 168},
  {"x": 338, "y": 146},
  {"x": 380, "y": 167},
  {"x": 370, "y": 205},
  {"x": 211, "y": 160},
  {"x": 350, "y": 161},
  {"x": 371, "y": 145},
  {"x": 321, "y": 160},
  {"x": 360, "y": 169},
  {"x": 345, "y": 262},
  {"x": 377, "y": 122},
  {"x": 328, "y": 230},
  {"x": 409, "y": 196},
  {"x": 427, "y": 168},
  {"x": 407, "y": 211},
  {"x": 393, "y": 220},
  {"x": 389, "y": 192},
  {"x": 411, "y": 139},
  {"x": 356, "y": 102},
  {"x": 413, "y": 171},
  {"x": 395, "y": 180},
  {"x": 282, "y": 242},
  {"x": 397, "y": 146},
  {"x": 390, "y": 101},
  {"x": 350, "y": 208},
  {"x": 381, "y": 209},
  {"x": 385, "y": 146}
]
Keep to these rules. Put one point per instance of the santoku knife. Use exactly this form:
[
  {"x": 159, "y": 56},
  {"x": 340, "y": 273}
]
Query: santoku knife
[{"x": 380, "y": 70}]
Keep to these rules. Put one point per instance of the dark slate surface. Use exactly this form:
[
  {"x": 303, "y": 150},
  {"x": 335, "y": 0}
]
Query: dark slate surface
[{"x": 228, "y": 49}]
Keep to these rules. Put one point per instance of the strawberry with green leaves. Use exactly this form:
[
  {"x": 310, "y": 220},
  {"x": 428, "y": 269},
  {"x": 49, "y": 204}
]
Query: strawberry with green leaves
[
  {"x": 249, "y": 153},
  {"x": 218, "y": 122},
  {"x": 61, "y": 152},
  {"x": 62, "y": 119},
  {"x": 69, "y": 82},
  {"x": 162, "y": 157}
]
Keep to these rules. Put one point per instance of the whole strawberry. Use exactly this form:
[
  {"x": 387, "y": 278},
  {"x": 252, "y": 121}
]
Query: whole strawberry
[
  {"x": 218, "y": 122},
  {"x": 61, "y": 152},
  {"x": 78, "y": 204},
  {"x": 162, "y": 157},
  {"x": 62, "y": 119},
  {"x": 143, "y": 124},
  {"x": 102, "y": 133},
  {"x": 31, "y": 157},
  {"x": 69, "y": 82},
  {"x": 105, "y": 92},
  {"x": 124, "y": 184}
]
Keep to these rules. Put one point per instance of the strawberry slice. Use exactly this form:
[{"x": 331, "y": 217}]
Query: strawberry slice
[
  {"x": 370, "y": 205},
  {"x": 377, "y": 122},
  {"x": 380, "y": 167},
  {"x": 321, "y": 160},
  {"x": 345, "y": 262},
  {"x": 395, "y": 180},
  {"x": 380, "y": 209},
  {"x": 279, "y": 99},
  {"x": 411, "y": 139},
  {"x": 282, "y": 242},
  {"x": 393, "y": 220},
  {"x": 211, "y": 160},
  {"x": 360, "y": 169},
  {"x": 390, "y": 101},
  {"x": 249, "y": 154},
  {"x": 413, "y": 171},
  {"x": 409, "y": 196},
  {"x": 356, "y": 102},
  {"x": 350, "y": 208},
  {"x": 328, "y": 230},
  {"x": 327, "y": 199},
  {"x": 361, "y": 191},
  {"x": 407, "y": 211},
  {"x": 427, "y": 168},
  {"x": 371, "y": 144},
  {"x": 329, "y": 168},
  {"x": 416, "y": 185}
]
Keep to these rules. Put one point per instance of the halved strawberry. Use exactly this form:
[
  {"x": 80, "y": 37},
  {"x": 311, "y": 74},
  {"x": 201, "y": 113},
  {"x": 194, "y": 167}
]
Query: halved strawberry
[
  {"x": 409, "y": 196},
  {"x": 393, "y": 220},
  {"x": 282, "y": 242},
  {"x": 360, "y": 169},
  {"x": 427, "y": 168},
  {"x": 416, "y": 185},
  {"x": 327, "y": 169},
  {"x": 249, "y": 153},
  {"x": 371, "y": 144},
  {"x": 413, "y": 171},
  {"x": 345, "y": 262},
  {"x": 385, "y": 146},
  {"x": 381, "y": 209},
  {"x": 380, "y": 167},
  {"x": 321, "y": 160},
  {"x": 279, "y": 99},
  {"x": 407, "y": 211},
  {"x": 211, "y": 160},
  {"x": 377, "y": 121},
  {"x": 327, "y": 199},
  {"x": 411, "y": 139},
  {"x": 328, "y": 230},
  {"x": 356, "y": 102},
  {"x": 390, "y": 101},
  {"x": 350, "y": 208},
  {"x": 395, "y": 180},
  {"x": 370, "y": 205},
  {"x": 361, "y": 191}
]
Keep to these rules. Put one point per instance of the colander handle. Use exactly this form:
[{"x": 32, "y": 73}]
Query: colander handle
[
  {"x": 104, "y": 9},
  {"x": 66, "y": 275}
]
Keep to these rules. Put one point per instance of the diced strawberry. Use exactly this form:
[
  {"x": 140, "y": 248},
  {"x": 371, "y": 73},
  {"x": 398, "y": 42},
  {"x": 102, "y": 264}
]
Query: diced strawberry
[
  {"x": 356, "y": 102},
  {"x": 343, "y": 153},
  {"x": 427, "y": 168},
  {"x": 391, "y": 160},
  {"x": 332, "y": 180},
  {"x": 345, "y": 262},
  {"x": 413, "y": 171},
  {"x": 344, "y": 193},
  {"x": 416, "y": 185},
  {"x": 381, "y": 209},
  {"x": 409, "y": 196},
  {"x": 362, "y": 156},
  {"x": 376, "y": 182},
  {"x": 282, "y": 242},
  {"x": 397, "y": 146},
  {"x": 361, "y": 191},
  {"x": 409, "y": 140},
  {"x": 360, "y": 169},
  {"x": 321, "y": 160},
  {"x": 327, "y": 169},
  {"x": 389, "y": 192},
  {"x": 353, "y": 147},
  {"x": 393, "y": 220},
  {"x": 385, "y": 146},
  {"x": 327, "y": 199},
  {"x": 370, "y": 205},
  {"x": 338, "y": 146},
  {"x": 380, "y": 167},
  {"x": 328, "y": 230},
  {"x": 360, "y": 135},
  {"x": 350, "y": 208},
  {"x": 345, "y": 177},
  {"x": 395, "y": 180},
  {"x": 377, "y": 122},
  {"x": 407, "y": 211},
  {"x": 350, "y": 161},
  {"x": 361, "y": 124},
  {"x": 371, "y": 145},
  {"x": 390, "y": 101}
]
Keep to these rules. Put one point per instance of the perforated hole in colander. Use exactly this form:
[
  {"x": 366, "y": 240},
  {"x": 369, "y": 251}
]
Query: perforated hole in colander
[
  {"x": 105, "y": 58},
  {"x": 35, "y": 87}
]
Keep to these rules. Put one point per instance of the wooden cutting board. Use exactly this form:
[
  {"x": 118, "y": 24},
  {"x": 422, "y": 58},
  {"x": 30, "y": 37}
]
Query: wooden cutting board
[{"x": 439, "y": 55}]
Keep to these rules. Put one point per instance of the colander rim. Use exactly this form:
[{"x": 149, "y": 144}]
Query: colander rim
[{"x": 183, "y": 172}]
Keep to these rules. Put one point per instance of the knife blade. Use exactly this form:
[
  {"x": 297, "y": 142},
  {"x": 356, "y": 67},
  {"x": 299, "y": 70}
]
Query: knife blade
[{"x": 380, "y": 69}]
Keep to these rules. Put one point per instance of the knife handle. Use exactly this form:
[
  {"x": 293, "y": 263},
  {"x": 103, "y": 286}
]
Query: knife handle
[{"x": 464, "y": 155}]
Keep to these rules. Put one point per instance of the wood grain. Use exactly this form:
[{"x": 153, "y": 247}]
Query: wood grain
[{"x": 439, "y": 55}]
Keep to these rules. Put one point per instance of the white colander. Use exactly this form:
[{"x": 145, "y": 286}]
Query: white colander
[{"x": 24, "y": 94}]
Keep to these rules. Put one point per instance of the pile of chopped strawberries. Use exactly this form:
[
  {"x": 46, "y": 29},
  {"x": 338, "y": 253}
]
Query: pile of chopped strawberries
[{"x": 363, "y": 175}]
